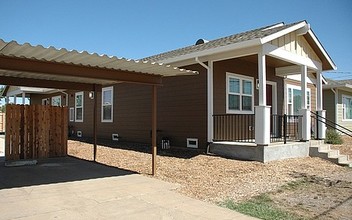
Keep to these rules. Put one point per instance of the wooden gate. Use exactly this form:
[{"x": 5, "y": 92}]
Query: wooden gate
[
  {"x": 35, "y": 131},
  {"x": 2, "y": 122}
]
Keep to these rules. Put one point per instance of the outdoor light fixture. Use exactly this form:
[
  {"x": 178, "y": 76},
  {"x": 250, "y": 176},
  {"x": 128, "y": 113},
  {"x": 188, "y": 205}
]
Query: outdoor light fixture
[{"x": 91, "y": 95}]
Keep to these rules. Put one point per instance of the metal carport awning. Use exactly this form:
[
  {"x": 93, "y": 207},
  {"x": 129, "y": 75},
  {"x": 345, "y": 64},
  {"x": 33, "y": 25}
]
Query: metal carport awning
[{"x": 37, "y": 66}]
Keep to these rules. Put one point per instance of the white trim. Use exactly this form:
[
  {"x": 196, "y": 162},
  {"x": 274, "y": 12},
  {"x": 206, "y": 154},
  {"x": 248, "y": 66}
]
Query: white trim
[
  {"x": 274, "y": 95},
  {"x": 288, "y": 56},
  {"x": 321, "y": 48},
  {"x": 110, "y": 88},
  {"x": 78, "y": 94},
  {"x": 54, "y": 97},
  {"x": 343, "y": 107},
  {"x": 283, "y": 32},
  {"x": 45, "y": 101},
  {"x": 240, "y": 77},
  {"x": 236, "y": 46},
  {"x": 290, "y": 86},
  {"x": 71, "y": 114}
]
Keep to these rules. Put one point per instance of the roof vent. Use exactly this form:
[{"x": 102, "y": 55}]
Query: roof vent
[{"x": 201, "y": 41}]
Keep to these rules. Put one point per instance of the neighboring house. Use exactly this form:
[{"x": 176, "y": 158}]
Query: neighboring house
[
  {"x": 246, "y": 83},
  {"x": 338, "y": 102}
]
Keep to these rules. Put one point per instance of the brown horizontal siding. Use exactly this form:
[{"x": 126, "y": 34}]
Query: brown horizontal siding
[
  {"x": 182, "y": 111},
  {"x": 241, "y": 67}
]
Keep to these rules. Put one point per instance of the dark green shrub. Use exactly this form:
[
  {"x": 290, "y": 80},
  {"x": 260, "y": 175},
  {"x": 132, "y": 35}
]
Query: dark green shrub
[{"x": 332, "y": 137}]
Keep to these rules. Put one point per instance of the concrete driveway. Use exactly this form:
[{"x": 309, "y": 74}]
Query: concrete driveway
[{"x": 69, "y": 188}]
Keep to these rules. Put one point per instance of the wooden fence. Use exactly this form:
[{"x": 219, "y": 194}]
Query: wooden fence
[
  {"x": 35, "y": 131},
  {"x": 2, "y": 122}
]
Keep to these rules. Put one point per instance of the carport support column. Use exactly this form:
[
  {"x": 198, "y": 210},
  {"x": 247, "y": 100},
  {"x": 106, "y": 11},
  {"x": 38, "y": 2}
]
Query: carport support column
[
  {"x": 23, "y": 98},
  {"x": 95, "y": 118},
  {"x": 262, "y": 112},
  {"x": 322, "y": 113},
  {"x": 305, "y": 113},
  {"x": 154, "y": 127}
]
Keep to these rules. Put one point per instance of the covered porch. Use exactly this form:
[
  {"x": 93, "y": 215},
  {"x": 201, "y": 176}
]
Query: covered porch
[{"x": 266, "y": 116}]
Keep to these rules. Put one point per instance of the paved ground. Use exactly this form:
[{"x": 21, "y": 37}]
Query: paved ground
[{"x": 69, "y": 188}]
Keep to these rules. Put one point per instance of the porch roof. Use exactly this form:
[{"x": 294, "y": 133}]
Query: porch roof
[
  {"x": 40, "y": 64},
  {"x": 250, "y": 38},
  {"x": 338, "y": 84}
]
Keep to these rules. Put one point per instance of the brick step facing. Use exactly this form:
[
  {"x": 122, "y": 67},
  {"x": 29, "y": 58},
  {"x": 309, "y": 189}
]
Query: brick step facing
[{"x": 322, "y": 150}]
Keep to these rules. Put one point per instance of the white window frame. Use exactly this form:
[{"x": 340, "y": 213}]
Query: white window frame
[
  {"x": 77, "y": 94},
  {"x": 72, "y": 114},
  {"x": 290, "y": 108},
  {"x": 344, "y": 107},
  {"x": 110, "y": 88},
  {"x": 56, "y": 97},
  {"x": 241, "y": 78},
  {"x": 45, "y": 101}
]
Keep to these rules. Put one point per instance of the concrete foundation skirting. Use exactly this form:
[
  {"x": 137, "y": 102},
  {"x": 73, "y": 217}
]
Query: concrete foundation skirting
[{"x": 261, "y": 153}]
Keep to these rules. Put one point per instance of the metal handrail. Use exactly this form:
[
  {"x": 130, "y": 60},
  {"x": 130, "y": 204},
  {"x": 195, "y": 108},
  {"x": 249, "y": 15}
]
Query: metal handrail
[{"x": 334, "y": 125}]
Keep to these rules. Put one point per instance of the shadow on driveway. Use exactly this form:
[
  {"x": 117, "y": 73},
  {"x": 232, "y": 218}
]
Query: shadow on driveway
[{"x": 55, "y": 170}]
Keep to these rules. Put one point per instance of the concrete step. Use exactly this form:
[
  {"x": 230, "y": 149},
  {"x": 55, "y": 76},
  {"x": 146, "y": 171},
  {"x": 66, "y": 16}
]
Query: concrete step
[
  {"x": 315, "y": 143},
  {"x": 325, "y": 152},
  {"x": 330, "y": 153},
  {"x": 325, "y": 147},
  {"x": 347, "y": 163}
]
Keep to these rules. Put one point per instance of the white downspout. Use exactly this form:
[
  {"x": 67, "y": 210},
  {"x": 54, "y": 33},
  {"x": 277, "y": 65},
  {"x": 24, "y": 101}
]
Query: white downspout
[
  {"x": 210, "y": 106},
  {"x": 66, "y": 99},
  {"x": 336, "y": 102}
]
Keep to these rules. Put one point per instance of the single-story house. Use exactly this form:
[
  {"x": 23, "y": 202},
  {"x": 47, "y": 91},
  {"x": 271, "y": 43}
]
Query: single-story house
[
  {"x": 257, "y": 86},
  {"x": 338, "y": 102}
]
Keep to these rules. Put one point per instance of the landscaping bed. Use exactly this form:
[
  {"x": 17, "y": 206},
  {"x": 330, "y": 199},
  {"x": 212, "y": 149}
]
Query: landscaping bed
[{"x": 216, "y": 179}]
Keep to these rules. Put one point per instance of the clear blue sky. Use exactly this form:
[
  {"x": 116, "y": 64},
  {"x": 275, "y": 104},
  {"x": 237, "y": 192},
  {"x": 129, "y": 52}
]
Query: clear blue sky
[{"x": 139, "y": 28}]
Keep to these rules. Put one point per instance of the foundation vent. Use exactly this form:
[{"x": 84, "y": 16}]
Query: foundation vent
[{"x": 192, "y": 142}]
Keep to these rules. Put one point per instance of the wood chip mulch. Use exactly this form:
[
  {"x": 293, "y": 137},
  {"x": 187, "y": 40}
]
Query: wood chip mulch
[{"x": 206, "y": 177}]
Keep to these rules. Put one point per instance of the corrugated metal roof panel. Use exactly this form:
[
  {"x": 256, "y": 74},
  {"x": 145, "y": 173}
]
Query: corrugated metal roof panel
[{"x": 51, "y": 54}]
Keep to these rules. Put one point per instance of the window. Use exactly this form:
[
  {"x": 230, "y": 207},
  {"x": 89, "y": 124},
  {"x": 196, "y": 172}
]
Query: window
[
  {"x": 346, "y": 107},
  {"x": 72, "y": 114},
  {"x": 239, "y": 94},
  {"x": 56, "y": 101},
  {"x": 294, "y": 99},
  {"x": 107, "y": 104},
  {"x": 79, "y": 98}
]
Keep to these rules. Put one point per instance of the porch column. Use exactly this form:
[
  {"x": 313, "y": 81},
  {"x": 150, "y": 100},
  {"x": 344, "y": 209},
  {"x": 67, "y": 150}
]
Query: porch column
[
  {"x": 320, "y": 134},
  {"x": 14, "y": 99},
  {"x": 305, "y": 125},
  {"x": 23, "y": 98},
  {"x": 262, "y": 112},
  {"x": 7, "y": 99}
]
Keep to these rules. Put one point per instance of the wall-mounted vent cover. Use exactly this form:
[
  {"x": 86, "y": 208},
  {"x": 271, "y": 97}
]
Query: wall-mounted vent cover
[
  {"x": 115, "y": 137},
  {"x": 79, "y": 134},
  {"x": 192, "y": 142}
]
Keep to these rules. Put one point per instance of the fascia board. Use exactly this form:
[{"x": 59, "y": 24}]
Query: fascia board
[
  {"x": 240, "y": 45},
  {"x": 326, "y": 55},
  {"x": 279, "y": 53},
  {"x": 283, "y": 32}
]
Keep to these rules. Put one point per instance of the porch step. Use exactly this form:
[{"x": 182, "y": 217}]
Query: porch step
[{"x": 322, "y": 150}]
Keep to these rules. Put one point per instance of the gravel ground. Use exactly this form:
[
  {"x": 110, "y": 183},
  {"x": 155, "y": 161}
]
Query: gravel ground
[{"x": 211, "y": 178}]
